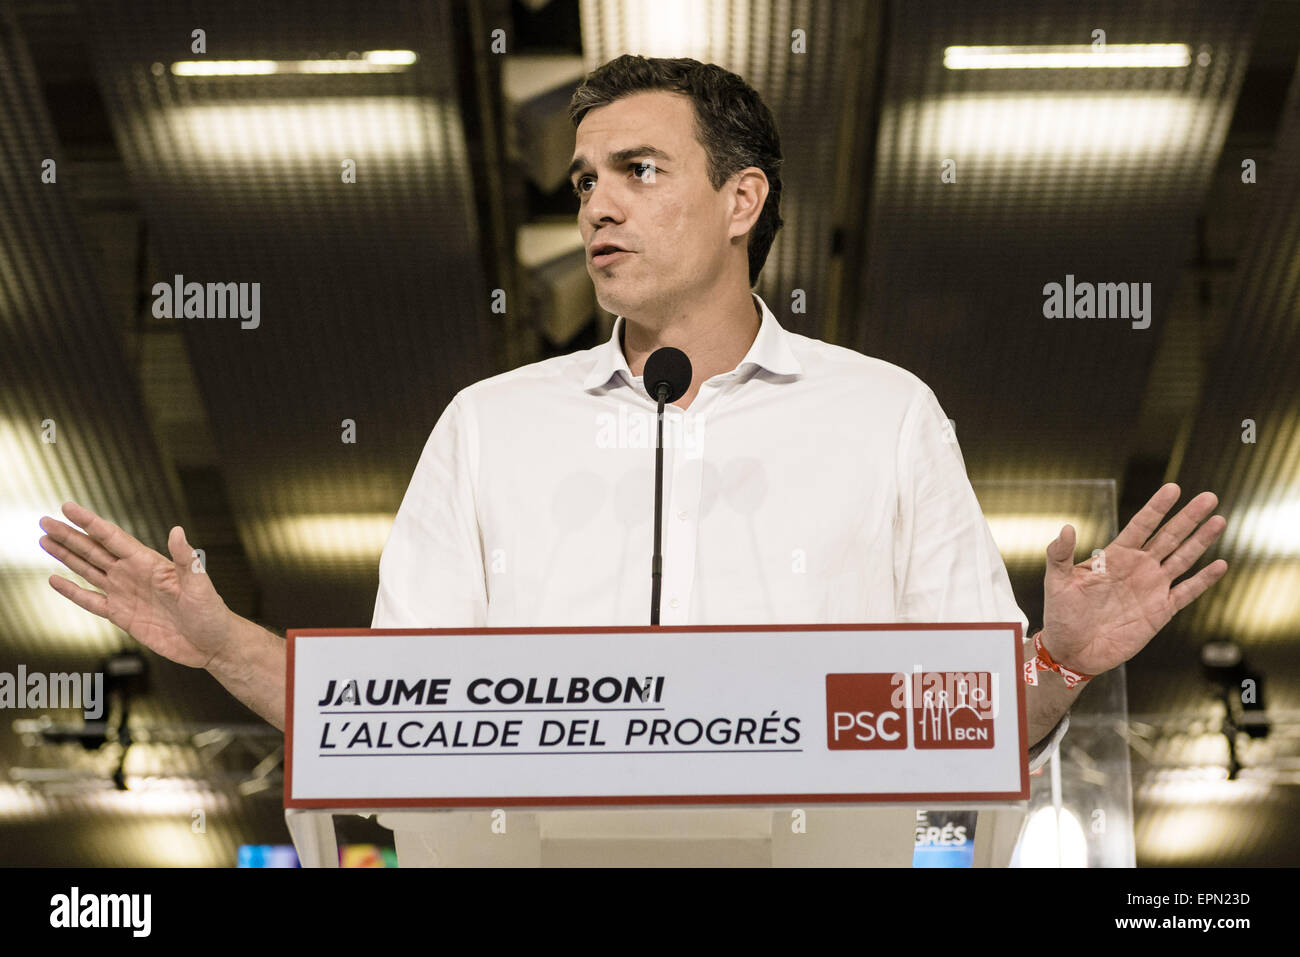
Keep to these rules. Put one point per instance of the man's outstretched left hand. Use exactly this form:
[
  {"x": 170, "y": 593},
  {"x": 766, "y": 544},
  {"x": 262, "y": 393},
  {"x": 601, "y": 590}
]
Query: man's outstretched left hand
[{"x": 1099, "y": 613}]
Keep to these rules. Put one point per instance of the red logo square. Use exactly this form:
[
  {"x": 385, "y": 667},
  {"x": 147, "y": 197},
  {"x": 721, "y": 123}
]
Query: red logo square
[
  {"x": 865, "y": 712},
  {"x": 952, "y": 709}
]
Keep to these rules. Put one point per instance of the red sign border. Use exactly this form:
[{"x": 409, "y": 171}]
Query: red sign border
[{"x": 652, "y": 800}]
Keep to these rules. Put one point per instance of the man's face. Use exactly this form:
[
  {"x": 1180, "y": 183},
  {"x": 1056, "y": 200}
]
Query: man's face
[{"x": 657, "y": 205}]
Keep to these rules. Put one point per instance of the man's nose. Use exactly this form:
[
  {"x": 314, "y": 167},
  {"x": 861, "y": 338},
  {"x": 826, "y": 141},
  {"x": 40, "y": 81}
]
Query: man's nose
[{"x": 602, "y": 206}]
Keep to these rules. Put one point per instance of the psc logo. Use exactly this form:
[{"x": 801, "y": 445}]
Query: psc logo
[
  {"x": 861, "y": 715},
  {"x": 942, "y": 709}
]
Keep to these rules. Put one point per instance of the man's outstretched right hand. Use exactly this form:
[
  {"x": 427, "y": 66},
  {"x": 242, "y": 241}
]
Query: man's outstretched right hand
[{"x": 167, "y": 604}]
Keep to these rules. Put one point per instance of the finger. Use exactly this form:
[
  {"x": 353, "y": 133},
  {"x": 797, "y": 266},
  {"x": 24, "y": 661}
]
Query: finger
[
  {"x": 1060, "y": 553},
  {"x": 1144, "y": 523},
  {"x": 77, "y": 542},
  {"x": 182, "y": 552},
  {"x": 75, "y": 562},
  {"x": 1180, "y": 526},
  {"x": 118, "y": 542},
  {"x": 1187, "y": 592},
  {"x": 92, "y": 601},
  {"x": 1192, "y": 549}
]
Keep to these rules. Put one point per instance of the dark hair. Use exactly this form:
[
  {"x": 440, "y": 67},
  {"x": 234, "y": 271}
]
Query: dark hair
[{"x": 732, "y": 123}]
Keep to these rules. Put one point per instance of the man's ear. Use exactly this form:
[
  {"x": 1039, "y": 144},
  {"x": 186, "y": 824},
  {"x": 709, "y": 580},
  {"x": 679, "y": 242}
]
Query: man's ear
[{"x": 749, "y": 189}]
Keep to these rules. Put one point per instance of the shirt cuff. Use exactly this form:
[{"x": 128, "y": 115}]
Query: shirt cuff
[{"x": 1040, "y": 752}]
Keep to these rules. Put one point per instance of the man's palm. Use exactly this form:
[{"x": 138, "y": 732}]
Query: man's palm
[
  {"x": 1099, "y": 613},
  {"x": 168, "y": 605}
]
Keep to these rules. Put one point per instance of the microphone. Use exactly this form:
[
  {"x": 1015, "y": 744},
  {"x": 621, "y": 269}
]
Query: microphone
[{"x": 667, "y": 376}]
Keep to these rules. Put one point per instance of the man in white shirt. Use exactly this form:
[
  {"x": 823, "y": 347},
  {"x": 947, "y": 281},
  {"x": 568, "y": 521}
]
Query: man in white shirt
[{"x": 807, "y": 483}]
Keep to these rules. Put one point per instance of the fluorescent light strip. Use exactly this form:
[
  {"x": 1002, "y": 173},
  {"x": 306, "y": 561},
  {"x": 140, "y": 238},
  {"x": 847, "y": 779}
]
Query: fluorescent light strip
[
  {"x": 1069, "y": 56},
  {"x": 372, "y": 61},
  {"x": 240, "y": 136}
]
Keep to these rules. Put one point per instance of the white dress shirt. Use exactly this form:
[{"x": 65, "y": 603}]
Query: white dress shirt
[{"x": 811, "y": 484}]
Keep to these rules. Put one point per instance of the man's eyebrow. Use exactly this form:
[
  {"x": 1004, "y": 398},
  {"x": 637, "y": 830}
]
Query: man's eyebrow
[{"x": 619, "y": 157}]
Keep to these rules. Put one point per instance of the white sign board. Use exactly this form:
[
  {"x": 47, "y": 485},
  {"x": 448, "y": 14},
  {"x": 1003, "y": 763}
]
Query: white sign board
[{"x": 655, "y": 715}]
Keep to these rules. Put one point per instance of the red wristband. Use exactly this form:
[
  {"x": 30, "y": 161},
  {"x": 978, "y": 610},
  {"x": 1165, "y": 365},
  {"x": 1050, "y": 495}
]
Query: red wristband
[{"x": 1042, "y": 661}]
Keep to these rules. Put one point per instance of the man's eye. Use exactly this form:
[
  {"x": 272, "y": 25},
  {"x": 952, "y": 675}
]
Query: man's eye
[{"x": 644, "y": 171}]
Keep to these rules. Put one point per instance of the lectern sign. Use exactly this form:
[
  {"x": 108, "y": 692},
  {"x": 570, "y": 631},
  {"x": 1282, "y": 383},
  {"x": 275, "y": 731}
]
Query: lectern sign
[{"x": 540, "y": 717}]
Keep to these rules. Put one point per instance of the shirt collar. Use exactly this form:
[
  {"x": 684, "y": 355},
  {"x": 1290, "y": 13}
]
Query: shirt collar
[{"x": 770, "y": 351}]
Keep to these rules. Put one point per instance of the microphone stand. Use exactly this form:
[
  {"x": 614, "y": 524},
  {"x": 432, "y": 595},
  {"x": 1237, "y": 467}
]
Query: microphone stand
[{"x": 656, "y": 562}]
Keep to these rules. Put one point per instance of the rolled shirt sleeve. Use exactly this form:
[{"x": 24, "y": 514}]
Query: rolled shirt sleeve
[{"x": 947, "y": 566}]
